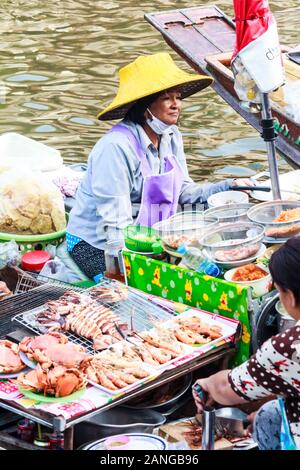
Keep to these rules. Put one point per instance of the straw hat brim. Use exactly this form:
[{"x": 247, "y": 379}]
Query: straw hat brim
[{"x": 188, "y": 88}]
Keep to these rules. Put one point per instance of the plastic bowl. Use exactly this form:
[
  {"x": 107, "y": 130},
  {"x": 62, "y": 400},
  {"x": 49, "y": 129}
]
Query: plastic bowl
[
  {"x": 259, "y": 287},
  {"x": 183, "y": 228},
  {"x": 229, "y": 213},
  {"x": 232, "y": 242},
  {"x": 34, "y": 242},
  {"x": 142, "y": 239},
  {"x": 265, "y": 214},
  {"x": 227, "y": 197}
]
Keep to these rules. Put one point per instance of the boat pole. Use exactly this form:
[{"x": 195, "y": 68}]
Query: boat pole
[{"x": 269, "y": 136}]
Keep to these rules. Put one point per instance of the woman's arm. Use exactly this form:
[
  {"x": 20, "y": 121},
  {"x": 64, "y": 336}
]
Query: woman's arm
[
  {"x": 270, "y": 371},
  {"x": 192, "y": 192},
  {"x": 112, "y": 180}
]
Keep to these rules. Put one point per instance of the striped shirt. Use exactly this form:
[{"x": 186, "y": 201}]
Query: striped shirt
[{"x": 274, "y": 370}]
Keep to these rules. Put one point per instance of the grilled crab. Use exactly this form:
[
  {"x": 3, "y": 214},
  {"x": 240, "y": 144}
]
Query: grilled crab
[
  {"x": 54, "y": 349},
  {"x": 9, "y": 357},
  {"x": 59, "y": 381},
  {"x": 38, "y": 345}
]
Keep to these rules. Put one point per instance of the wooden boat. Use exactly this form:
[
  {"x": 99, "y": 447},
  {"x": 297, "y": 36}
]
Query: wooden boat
[{"x": 205, "y": 38}]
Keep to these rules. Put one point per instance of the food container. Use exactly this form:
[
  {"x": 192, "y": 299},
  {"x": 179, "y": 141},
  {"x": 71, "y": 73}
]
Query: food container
[
  {"x": 35, "y": 260},
  {"x": 229, "y": 213},
  {"x": 284, "y": 320},
  {"x": 142, "y": 239},
  {"x": 119, "y": 420},
  {"x": 113, "y": 260},
  {"x": 232, "y": 242},
  {"x": 184, "y": 228},
  {"x": 267, "y": 212},
  {"x": 227, "y": 197},
  {"x": 259, "y": 287}
]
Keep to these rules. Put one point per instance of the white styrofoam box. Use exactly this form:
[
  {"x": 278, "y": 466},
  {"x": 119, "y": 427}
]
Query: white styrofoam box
[{"x": 19, "y": 151}]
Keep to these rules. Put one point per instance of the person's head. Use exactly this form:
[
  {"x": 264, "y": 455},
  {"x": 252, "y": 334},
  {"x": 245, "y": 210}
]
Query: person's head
[
  {"x": 146, "y": 81},
  {"x": 285, "y": 270},
  {"x": 165, "y": 106}
]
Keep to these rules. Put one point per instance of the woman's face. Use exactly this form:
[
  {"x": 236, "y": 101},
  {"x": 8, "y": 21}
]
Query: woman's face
[
  {"x": 288, "y": 300},
  {"x": 167, "y": 107}
]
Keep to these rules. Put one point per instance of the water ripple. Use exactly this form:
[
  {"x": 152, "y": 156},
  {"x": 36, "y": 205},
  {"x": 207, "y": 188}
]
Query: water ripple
[{"x": 58, "y": 68}]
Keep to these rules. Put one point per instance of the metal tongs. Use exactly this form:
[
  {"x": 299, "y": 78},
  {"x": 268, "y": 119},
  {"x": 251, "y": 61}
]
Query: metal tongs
[
  {"x": 260, "y": 188},
  {"x": 208, "y": 420},
  {"x": 129, "y": 333}
]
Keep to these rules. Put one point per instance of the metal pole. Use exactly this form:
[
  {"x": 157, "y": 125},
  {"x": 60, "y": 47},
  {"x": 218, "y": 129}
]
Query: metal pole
[
  {"x": 268, "y": 134},
  {"x": 208, "y": 428}
]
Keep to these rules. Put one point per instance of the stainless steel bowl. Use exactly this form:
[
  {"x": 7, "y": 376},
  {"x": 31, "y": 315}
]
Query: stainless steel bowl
[
  {"x": 119, "y": 420},
  {"x": 230, "y": 213}
]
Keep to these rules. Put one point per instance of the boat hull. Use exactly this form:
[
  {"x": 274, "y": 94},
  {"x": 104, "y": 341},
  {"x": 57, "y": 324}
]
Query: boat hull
[{"x": 204, "y": 37}]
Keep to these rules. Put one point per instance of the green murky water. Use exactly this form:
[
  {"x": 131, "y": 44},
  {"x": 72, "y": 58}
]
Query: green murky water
[{"x": 58, "y": 67}]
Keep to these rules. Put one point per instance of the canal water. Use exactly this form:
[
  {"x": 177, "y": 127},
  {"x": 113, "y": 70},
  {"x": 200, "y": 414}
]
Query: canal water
[{"x": 58, "y": 68}]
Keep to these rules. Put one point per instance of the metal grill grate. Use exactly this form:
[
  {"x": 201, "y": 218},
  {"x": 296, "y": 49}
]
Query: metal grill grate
[
  {"x": 27, "y": 283},
  {"x": 28, "y": 319},
  {"x": 144, "y": 314},
  {"x": 29, "y": 294}
]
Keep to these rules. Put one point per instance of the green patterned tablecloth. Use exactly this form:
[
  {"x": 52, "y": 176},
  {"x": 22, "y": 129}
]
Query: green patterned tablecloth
[{"x": 191, "y": 288}]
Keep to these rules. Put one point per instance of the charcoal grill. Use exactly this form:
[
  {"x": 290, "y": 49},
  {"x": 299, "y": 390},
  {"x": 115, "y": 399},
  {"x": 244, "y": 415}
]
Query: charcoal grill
[{"x": 32, "y": 293}]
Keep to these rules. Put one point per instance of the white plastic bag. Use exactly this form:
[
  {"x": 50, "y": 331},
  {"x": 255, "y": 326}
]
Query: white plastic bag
[
  {"x": 9, "y": 254},
  {"x": 30, "y": 204},
  {"x": 245, "y": 87},
  {"x": 57, "y": 270},
  {"x": 62, "y": 267}
]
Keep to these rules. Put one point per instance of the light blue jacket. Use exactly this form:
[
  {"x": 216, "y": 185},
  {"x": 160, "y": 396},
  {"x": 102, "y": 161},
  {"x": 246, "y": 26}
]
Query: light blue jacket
[{"x": 113, "y": 184}]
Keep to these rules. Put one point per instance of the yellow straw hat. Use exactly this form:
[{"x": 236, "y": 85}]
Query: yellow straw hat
[{"x": 148, "y": 75}]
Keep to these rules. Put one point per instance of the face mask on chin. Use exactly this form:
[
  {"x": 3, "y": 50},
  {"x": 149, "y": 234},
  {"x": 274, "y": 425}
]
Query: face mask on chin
[{"x": 158, "y": 126}]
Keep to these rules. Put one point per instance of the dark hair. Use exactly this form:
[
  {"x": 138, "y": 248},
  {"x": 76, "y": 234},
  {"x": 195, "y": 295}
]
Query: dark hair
[
  {"x": 136, "y": 113},
  {"x": 285, "y": 267}
]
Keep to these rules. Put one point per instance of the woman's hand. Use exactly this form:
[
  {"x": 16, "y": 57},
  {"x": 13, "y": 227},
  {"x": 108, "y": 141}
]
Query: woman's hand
[
  {"x": 217, "y": 389},
  {"x": 243, "y": 182},
  {"x": 203, "y": 398}
]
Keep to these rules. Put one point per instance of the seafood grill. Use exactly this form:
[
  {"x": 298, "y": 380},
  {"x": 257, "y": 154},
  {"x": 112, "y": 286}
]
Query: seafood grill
[
  {"x": 31, "y": 298},
  {"x": 154, "y": 337},
  {"x": 129, "y": 306}
]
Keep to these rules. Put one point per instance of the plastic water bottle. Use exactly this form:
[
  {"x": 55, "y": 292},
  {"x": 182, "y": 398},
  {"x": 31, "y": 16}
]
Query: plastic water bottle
[{"x": 193, "y": 259}]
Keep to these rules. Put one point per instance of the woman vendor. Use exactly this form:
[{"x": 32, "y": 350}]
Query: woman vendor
[
  {"x": 273, "y": 370},
  {"x": 140, "y": 160}
]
